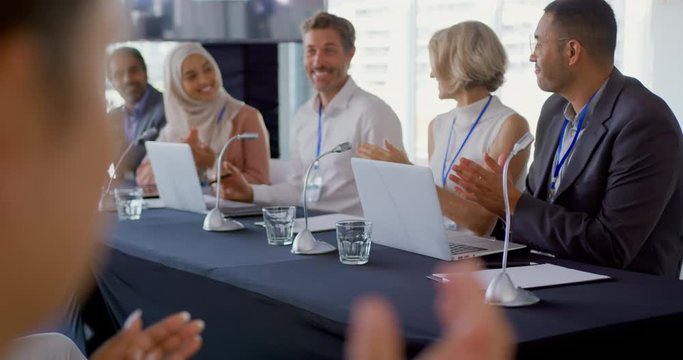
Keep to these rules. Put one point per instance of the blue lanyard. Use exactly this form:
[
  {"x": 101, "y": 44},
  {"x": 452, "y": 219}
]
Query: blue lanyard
[
  {"x": 320, "y": 129},
  {"x": 220, "y": 115},
  {"x": 444, "y": 169},
  {"x": 559, "y": 162}
]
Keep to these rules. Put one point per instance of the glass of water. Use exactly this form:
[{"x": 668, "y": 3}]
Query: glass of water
[
  {"x": 279, "y": 222},
  {"x": 354, "y": 240},
  {"x": 128, "y": 203}
]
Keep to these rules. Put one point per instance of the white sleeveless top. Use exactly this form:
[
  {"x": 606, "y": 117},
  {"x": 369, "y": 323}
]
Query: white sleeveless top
[{"x": 481, "y": 140}]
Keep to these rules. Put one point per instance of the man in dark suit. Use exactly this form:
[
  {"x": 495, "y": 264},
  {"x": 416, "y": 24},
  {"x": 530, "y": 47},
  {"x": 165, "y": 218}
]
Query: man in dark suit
[
  {"x": 143, "y": 107},
  {"x": 605, "y": 186}
]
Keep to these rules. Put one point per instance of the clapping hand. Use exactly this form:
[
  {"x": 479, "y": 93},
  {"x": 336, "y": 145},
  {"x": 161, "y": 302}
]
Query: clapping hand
[
  {"x": 471, "y": 329},
  {"x": 203, "y": 155},
  {"x": 144, "y": 174},
  {"x": 234, "y": 185},
  {"x": 174, "y": 337},
  {"x": 482, "y": 184},
  {"x": 389, "y": 153}
]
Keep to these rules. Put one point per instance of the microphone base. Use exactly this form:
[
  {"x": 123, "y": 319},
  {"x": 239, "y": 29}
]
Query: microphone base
[
  {"x": 502, "y": 292},
  {"x": 305, "y": 244},
  {"x": 524, "y": 298},
  {"x": 214, "y": 221},
  {"x": 107, "y": 202},
  {"x": 320, "y": 247}
]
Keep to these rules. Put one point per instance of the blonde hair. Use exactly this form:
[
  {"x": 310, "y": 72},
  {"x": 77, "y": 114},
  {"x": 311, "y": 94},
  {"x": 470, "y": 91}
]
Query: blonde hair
[{"x": 468, "y": 54}]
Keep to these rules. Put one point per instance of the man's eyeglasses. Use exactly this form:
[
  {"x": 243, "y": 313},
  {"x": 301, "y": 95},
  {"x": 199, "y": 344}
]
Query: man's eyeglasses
[{"x": 535, "y": 44}]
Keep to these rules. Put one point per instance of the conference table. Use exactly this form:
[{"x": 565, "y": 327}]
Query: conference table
[{"x": 262, "y": 302}]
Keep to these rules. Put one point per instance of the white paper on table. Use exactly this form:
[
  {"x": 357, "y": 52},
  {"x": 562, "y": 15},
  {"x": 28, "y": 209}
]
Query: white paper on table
[
  {"x": 210, "y": 201},
  {"x": 322, "y": 222},
  {"x": 155, "y": 203},
  {"x": 533, "y": 276}
]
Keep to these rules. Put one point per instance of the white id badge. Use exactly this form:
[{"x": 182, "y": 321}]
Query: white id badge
[{"x": 314, "y": 185}]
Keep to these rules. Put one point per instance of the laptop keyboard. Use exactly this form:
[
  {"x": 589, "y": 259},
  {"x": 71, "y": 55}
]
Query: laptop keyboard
[{"x": 462, "y": 248}]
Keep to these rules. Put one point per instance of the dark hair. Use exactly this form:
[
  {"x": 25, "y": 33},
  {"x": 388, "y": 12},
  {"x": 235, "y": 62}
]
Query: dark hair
[
  {"x": 53, "y": 24},
  {"x": 49, "y": 20},
  {"x": 591, "y": 22},
  {"x": 325, "y": 20},
  {"x": 126, "y": 50}
]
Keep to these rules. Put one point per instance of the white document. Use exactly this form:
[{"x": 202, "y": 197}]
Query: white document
[
  {"x": 322, "y": 222},
  {"x": 154, "y": 203},
  {"x": 210, "y": 201},
  {"x": 533, "y": 276}
]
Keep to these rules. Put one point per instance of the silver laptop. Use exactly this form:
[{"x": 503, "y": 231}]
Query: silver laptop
[
  {"x": 401, "y": 202},
  {"x": 178, "y": 182}
]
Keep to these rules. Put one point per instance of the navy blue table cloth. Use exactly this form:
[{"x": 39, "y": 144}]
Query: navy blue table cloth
[{"x": 261, "y": 301}]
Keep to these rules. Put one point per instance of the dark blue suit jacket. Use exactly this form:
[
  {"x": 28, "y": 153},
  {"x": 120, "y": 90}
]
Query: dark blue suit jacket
[
  {"x": 153, "y": 115},
  {"x": 620, "y": 202}
]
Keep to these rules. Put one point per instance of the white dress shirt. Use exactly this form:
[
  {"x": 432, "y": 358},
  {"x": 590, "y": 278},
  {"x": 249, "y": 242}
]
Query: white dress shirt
[{"x": 353, "y": 115}]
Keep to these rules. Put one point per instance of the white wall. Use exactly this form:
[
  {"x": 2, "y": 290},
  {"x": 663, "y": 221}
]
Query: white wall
[
  {"x": 293, "y": 90},
  {"x": 667, "y": 59},
  {"x": 653, "y": 49}
]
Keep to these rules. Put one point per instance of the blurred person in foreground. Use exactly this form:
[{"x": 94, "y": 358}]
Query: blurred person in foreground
[{"x": 55, "y": 150}]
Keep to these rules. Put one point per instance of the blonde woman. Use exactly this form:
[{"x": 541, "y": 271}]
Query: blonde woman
[
  {"x": 202, "y": 114},
  {"x": 468, "y": 62}
]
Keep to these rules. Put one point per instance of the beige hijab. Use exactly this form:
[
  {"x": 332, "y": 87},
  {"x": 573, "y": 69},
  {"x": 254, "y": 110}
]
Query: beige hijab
[{"x": 184, "y": 112}]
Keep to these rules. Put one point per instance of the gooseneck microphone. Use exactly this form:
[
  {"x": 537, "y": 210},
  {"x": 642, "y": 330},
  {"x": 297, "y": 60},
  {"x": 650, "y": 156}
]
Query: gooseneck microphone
[
  {"x": 502, "y": 291},
  {"x": 304, "y": 242},
  {"x": 148, "y": 134},
  {"x": 214, "y": 220}
]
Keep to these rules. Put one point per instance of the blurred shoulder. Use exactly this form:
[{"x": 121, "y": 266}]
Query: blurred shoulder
[
  {"x": 439, "y": 120},
  {"x": 248, "y": 110},
  {"x": 248, "y": 114},
  {"x": 372, "y": 110},
  {"x": 366, "y": 99},
  {"x": 515, "y": 123}
]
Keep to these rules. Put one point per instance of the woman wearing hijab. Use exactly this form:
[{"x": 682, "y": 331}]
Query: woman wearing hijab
[{"x": 201, "y": 113}]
